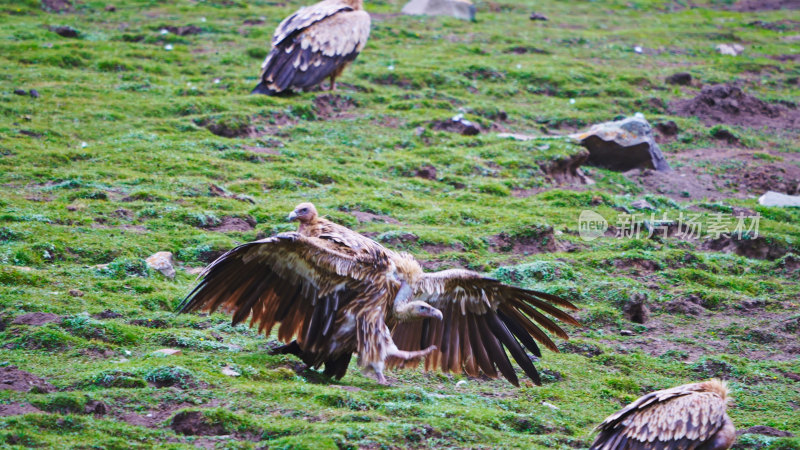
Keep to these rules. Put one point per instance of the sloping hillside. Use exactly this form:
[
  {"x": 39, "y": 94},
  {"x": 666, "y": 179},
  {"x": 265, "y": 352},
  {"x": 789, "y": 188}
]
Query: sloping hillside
[{"x": 141, "y": 136}]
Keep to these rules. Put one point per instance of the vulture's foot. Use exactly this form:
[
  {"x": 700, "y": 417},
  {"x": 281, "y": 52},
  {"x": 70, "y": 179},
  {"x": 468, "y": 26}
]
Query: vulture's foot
[{"x": 382, "y": 379}]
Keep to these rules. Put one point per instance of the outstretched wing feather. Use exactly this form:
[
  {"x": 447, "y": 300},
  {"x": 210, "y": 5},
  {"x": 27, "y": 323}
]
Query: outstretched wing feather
[
  {"x": 482, "y": 319},
  {"x": 289, "y": 279}
]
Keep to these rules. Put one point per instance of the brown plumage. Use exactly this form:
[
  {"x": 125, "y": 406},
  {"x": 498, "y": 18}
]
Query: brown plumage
[
  {"x": 336, "y": 292},
  {"x": 314, "y": 43},
  {"x": 687, "y": 417}
]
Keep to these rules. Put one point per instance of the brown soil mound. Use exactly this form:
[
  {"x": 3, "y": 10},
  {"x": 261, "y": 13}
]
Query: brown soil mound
[
  {"x": 330, "y": 106},
  {"x": 18, "y": 409},
  {"x": 36, "y": 319},
  {"x": 194, "y": 423},
  {"x": 533, "y": 240},
  {"x": 14, "y": 379},
  {"x": 234, "y": 224},
  {"x": 765, "y": 5},
  {"x": 726, "y": 104}
]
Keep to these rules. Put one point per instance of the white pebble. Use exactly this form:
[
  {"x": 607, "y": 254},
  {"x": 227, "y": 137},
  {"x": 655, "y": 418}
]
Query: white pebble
[
  {"x": 638, "y": 49},
  {"x": 84, "y": 145},
  {"x": 168, "y": 47},
  {"x": 572, "y": 101},
  {"x": 164, "y": 31},
  {"x": 202, "y": 19},
  {"x": 391, "y": 67},
  {"x": 461, "y": 383}
]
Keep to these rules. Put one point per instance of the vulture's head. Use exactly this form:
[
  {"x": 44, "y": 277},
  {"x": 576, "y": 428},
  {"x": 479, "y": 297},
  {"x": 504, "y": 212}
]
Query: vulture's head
[
  {"x": 303, "y": 213},
  {"x": 418, "y": 310}
]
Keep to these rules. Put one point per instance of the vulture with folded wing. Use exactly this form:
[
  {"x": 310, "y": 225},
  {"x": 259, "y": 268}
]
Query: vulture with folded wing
[
  {"x": 314, "y": 43},
  {"x": 335, "y": 292},
  {"x": 687, "y": 417}
]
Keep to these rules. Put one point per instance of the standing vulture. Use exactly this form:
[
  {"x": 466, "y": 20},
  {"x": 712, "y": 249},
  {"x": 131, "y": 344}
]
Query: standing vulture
[
  {"x": 335, "y": 292},
  {"x": 688, "y": 417},
  {"x": 314, "y": 43}
]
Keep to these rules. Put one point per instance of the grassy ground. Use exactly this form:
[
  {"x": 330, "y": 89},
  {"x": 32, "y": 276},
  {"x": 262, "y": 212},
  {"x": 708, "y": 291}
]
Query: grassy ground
[{"x": 116, "y": 160}]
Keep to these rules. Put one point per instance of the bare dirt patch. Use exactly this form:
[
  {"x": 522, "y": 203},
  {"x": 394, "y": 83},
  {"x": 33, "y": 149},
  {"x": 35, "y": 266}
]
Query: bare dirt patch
[
  {"x": 17, "y": 409},
  {"x": 194, "y": 423},
  {"x": 36, "y": 319},
  {"x": 460, "y": 126},
  {"x": 107, "y": 314},
  {"x": 533, "y": 240},
  {"x": 719, "y": 173},
  {"x": 367, "y": 217},
  {"x": 728, "y": 104},
  {"x": 779, "y": 25},
  {"x": 758, "y": 248},
  {"x": 714, "y": 332},
  {"x": 764, "y": 5},
  {"x": 333, "y": 106},
  {"x": 229, "y": 224},
  {"x": 183, "y": 31},
  {"x": 18, "y": 380},
  {"x": 254, "y": 127},
  {"x": 567, "y": 170},
  {"x": 57, "y": 6},
  {"x": 764, "y": 431}
]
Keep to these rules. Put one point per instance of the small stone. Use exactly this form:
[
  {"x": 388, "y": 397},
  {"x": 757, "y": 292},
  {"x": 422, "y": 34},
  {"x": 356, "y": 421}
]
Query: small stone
[
  {"x": 111, "y": 8},
  {"x": 460, "y": 9},
  {"x": 76, "y": 292},
  {"x": 626, "y": 333},
  {"x": 227, "y": 370},
  {"x": 642, "y": 204},
  {"x": 34, "y": 93},
  {"x": 167, "y": 352},
  {"x": 162, "y": 262},
  {"x": 20, "y": 92},
  {"x": 550, "y": 405},
  {"x": 461, "y": 383},
  {"x": 730, "y": 49},
  {"x": 680, "y": 78},
  {"x": 538, "y": 16},
  {"x": 772, "y": 198}
]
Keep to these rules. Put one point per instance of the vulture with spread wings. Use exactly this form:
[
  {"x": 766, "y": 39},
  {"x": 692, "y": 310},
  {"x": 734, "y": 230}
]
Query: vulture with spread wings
[
  {"x": 335, "y": 292},
  {"x": 314, "y": 43},
  {"x": 687, "y": 417}
]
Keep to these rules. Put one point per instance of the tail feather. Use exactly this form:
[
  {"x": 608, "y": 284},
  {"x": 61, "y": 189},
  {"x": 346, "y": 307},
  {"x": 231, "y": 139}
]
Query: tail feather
[{"x": 262, "y": 88}]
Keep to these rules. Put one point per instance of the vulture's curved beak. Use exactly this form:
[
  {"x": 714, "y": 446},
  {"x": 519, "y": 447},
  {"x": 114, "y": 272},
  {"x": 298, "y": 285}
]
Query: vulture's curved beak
[
  {"x": 292, "y": 216},
  {"x": 437, "y": 314}
]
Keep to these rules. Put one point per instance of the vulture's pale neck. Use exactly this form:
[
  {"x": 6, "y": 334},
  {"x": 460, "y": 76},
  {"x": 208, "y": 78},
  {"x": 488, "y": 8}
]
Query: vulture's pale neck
[{"x": 307, "y": 225}]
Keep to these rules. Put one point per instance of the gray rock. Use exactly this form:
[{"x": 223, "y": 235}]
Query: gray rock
[
  {"x": 623, "y": 145},
  {"x": 772, "y": 198},
  {"x": 162, "y": 262},
  {"x": 626, "y": 333},
  {"x": 642, "y": 204},
  {"x": 460, "y": 9}
]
